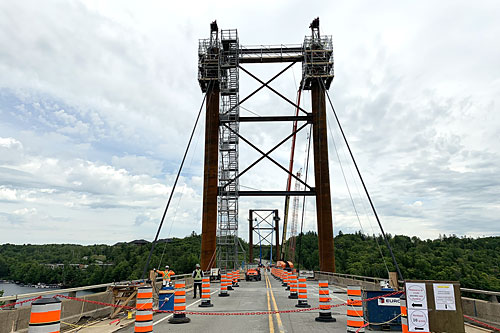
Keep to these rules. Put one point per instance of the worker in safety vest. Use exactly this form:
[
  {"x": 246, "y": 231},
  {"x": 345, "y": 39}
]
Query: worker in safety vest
[
  {"x": 166, "y": 274},
  {"x": 197, "y": 277}
]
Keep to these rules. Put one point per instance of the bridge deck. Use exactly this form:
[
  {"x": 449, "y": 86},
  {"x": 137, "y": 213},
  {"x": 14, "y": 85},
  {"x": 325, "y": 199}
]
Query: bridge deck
[{"x": 256, "y": 296}]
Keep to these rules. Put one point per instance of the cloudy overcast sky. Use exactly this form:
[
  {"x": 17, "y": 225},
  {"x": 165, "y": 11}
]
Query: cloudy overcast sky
[{"x": 97, "y": 100}]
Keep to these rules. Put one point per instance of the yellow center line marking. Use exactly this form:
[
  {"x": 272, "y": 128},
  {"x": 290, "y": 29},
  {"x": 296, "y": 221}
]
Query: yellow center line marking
[
  {"x": 271, "y": 324},
  {"x": 278, "y": 318}
]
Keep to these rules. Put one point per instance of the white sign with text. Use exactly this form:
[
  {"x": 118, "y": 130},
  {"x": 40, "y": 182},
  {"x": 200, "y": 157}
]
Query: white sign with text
[
  {"x": 416, "y": 296},
  {"x": 444, "y": 297}
]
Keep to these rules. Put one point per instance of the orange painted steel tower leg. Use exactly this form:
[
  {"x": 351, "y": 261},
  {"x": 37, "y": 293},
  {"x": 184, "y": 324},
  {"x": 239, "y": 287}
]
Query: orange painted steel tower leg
[
  {"x": 209, "y": 217},
  {"x": 322, "y": 178}
]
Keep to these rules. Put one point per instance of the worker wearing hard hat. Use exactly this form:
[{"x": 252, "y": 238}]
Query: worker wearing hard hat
[
  {"x": 166, "y": 274},
  {"x": 197, "y": 277}
]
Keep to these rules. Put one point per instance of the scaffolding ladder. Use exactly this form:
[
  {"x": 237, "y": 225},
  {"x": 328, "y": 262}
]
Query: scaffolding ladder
[{"x": 227, "y": 223}]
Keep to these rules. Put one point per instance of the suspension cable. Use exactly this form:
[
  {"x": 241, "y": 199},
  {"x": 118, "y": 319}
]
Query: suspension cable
[
  {"x": 179, "y": 200},
  {"x": 173, "y": 190},
  {"x": 359, "y": 195},
  {"x": 363, "y": 182}
]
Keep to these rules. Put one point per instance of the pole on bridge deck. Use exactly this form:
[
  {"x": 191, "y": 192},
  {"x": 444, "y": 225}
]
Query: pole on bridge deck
[
  {"x": 322, "y": 178},
  {"x": 250, "y": 237},
  {"x": 209, "y": 216}
]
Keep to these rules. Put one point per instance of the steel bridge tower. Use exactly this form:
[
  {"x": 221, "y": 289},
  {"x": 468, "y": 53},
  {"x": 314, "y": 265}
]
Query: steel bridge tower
[
  {"x": 220, "y": 58},
  {"x": 218, "y": 75}
]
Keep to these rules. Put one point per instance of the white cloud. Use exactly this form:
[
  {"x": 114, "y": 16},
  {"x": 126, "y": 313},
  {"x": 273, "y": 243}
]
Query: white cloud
[{"x": 97, "y": 100}]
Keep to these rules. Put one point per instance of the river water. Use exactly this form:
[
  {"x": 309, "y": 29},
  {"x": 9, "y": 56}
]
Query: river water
[{"x": 15, "y": 289}]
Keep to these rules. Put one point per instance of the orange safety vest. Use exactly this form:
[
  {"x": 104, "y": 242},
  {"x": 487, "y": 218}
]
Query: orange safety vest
[{"x": 166, "y": 274}]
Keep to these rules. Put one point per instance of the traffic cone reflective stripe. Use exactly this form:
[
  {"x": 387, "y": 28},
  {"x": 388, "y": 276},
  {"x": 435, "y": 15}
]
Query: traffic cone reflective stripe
[
  {"x": 144, "y": 313},
  {"x": 45, "y": 316},
  {"x": 355, "y": 319},
  {"x": 404, "y": 314}
]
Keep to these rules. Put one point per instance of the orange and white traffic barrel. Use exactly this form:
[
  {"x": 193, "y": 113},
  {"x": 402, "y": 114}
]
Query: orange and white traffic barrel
[
  {"x": 229, "y": 280},
  {"x": 293, "y": 287},
  {"x": 236, "y": 279},
  {"x": 404, "y": 314},
  {"x": 205, "y": 293},
  {"x": 325, "y": 314},
  {"x": 144, "y": 306},
  {"x": 45, "y": 316},
  {"x": 179, "y": 316},
  {"x": 355, "y": 319},
  {"x": 286, "y": 280},
  {"x": 302, "y": 291},
  {"x": 223, "y": 286}
]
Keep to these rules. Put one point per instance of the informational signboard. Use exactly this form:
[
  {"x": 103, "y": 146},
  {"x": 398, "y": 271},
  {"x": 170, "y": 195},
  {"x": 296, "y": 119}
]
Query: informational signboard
[
  {"x": 444, "y": 296},
  {"x": 416, "y": 295},
  {"x": 434, "y": 306},
  {"x": 418, "y": 320},
  {"x": 389, "y": 301},
  {"x": 416, "y": 301}
]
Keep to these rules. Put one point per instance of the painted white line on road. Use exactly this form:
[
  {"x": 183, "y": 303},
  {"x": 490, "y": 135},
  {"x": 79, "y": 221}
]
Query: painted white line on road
[{"x": 190, "y": 305}]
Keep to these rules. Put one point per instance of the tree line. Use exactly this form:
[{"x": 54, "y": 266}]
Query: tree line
[{"x": 475, "y": 262}]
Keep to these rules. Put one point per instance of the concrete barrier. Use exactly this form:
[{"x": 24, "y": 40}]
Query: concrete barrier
[{"x": 488, "y": 312}]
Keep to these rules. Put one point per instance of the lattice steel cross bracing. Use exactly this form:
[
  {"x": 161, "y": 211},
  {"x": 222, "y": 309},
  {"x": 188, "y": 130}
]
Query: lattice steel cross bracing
[
  {"x": 263, "y": 222},
  {"x": 222, "y": 136}
]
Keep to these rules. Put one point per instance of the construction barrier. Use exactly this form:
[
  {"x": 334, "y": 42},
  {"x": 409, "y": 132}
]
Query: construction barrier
[
  {"x": 325, "y": 314},
  {"x": 286, "y": 280},
  {"x": 302, "y": 303},
  {"x": 229, "y": 280},
  {"x": 355, "y": 320},
  {"x": 144, "y": 314},
  {"x": 45, "y": 316},
  {"x": 293, "y": 287},
  {"x": 236, "y": 278},
  {"x": 205, "y": 293},
  {"x": 179, "y": 316},
  {"x": 404, "y": 314},
  {"x": 223, "y": 286}
]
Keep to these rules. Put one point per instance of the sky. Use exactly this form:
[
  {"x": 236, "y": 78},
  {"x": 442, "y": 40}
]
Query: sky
[{"x": 98, "y": 98}]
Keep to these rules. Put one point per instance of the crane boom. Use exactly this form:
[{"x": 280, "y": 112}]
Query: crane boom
[{"x": 289, "y": 180}]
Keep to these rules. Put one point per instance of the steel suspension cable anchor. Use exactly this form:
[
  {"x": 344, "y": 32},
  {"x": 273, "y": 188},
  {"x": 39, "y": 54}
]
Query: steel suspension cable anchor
[
  {"x": 363, "y": 183},
  {"x": 173, "y": 190}
]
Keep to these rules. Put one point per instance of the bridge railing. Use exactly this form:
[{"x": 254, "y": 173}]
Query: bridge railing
[
  {"x": 376, "y": 282},
  {"x": 73, "y": 291}
]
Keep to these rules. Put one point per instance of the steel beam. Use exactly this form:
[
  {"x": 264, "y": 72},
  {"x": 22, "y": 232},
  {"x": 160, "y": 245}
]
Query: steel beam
[
  {"x": 272, "y": 193},
  {"x": 265, "y": 60},
  {"x": 209, "y": 215},
  {"x": 307, "y": 118},
  {"x": 322, "y": 178}
]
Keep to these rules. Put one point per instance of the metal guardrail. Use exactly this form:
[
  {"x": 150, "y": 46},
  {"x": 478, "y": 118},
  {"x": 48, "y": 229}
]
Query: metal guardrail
[{"x": 76, "y": 289}]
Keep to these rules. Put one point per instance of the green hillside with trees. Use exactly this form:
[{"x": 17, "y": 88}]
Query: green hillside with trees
[{"x": 473, "y": 262}]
